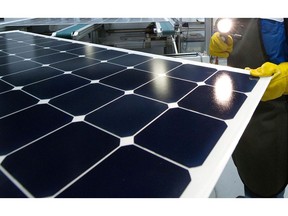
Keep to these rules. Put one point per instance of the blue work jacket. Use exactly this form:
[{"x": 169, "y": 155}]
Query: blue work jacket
[{"x": 274, "y": 38}]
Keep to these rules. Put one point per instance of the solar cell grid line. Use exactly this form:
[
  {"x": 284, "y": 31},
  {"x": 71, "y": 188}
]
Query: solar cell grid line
[
  {"x": 11, "y": 43},
  {"x": 54, "y": 58},
  {"x": 37, "y": 41},
  {"x": 4, "y": 86},
  {"x": 18, "y": 49},
  {"x": 36, "y": 53},
  {"x": 9, "y": 59},
  {"x": 118, "y": 123},
  {"x": 31, "y": 76},
  {"x": 50, "y": 43},
  {"x": 3, "y": 54},
  {"x": 65, "y": 47},
  {"x": 19, "y": 66},
  {"x": 85, "y": 50}
]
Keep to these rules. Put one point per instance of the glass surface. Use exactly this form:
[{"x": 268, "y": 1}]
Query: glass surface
[
  {"x": 131, "y": 173},
  {"x": 214, "y": 101},
  {"x": 83, "y": 120},
  {"x": 44, "y": 177}
]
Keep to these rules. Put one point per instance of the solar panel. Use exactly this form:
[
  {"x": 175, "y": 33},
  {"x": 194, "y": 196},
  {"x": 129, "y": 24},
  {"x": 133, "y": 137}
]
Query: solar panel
[
  {"x": 72, "y": 21},
  {"x": 86, "y": 120}
]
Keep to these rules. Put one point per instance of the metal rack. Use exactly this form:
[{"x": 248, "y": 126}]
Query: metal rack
[
  {"x": 190, "y": 35},
  {"x": 194, "y": 35}
]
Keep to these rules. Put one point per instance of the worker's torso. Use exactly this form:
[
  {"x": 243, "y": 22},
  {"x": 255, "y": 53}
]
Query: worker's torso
[{"x": 260, "y": 42}]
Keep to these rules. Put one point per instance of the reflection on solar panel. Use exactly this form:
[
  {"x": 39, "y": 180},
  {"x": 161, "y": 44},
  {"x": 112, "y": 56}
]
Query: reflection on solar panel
[{"x": 85, "y": 120}]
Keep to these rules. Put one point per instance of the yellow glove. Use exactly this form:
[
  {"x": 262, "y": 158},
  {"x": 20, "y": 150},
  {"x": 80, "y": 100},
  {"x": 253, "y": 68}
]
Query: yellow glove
[
  {"x": 219, "y": 47},
  {"x": 279, "y": 82}
]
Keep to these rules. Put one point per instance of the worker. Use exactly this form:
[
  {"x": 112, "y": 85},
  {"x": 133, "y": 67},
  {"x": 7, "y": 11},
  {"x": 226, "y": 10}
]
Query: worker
[{"x": 261, "y": 156}]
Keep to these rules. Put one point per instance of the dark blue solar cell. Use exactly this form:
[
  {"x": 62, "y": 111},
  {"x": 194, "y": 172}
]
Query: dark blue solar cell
[
  {"x": 53, "y": 43},
  {"x": 31, "y": 39},
  {"x": 98, "y": 71},
  {"x": 239, "y": 82},
  {"x": 131, "y": 172},
  {"x": 128, "y": 79},
  {"x": 19, "y": 36},
  {"x": 37, "y": 53},
  {"x": 86, "y": 99},
  {"x": 74, "y": 64},
  {"x": 4, "y": 86},
  {"x": 30, "y": 76},
  {"x": 23, "y": 127},
  {"x": 85, "y": 50},
  {"x": 158, "y": 65},
  {"x": 3, "y": 54},
  {"x": 67, "y": 47},
  {"x": 8, "y": 189},
  {"x": 15, "y": 100},
  {"x": 9, "y": 44},
  {"x": 192, "y": 72},
  {"x": 20, "y": 49},
  {"x": 166, "y": 89},
  {"x": 49, "y": 59},
  {"x": 17, "y": 67},
  {"x": 39, "y": 40},
  {"x": 9, "y": 59},
  {"x": 219, "y": 102},
  {"x": 49, "y": 164},
  {"x": 182, "y": 136},
  {"x": 55, "y": 86},
  {"x": 130, "y": 60},
  {"x": 126, "y": 115},
  {"x": 106, "y": 55}
]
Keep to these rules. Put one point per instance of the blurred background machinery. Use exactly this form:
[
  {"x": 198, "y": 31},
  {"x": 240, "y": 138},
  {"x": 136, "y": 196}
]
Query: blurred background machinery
[{"x": 177, "y": 37}]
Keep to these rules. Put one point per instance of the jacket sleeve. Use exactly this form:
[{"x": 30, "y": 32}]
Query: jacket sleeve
[{"x": 274, "y": 40}]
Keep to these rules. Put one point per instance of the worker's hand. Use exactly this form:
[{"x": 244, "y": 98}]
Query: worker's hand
[
  {"x": 220, "y": 46},
  {"x": 279, "y": 82}
]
